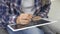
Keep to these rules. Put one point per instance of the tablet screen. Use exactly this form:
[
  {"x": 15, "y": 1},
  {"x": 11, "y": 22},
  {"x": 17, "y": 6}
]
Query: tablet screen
[{"x": 32, "y": 23}]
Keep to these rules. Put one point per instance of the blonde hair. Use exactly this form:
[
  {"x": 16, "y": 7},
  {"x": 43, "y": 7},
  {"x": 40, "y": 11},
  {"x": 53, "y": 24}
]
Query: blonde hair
[{"x": 44, "y": 2}]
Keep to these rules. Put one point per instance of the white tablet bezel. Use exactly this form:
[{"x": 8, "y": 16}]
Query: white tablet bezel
[{"x": 52, "y": 21}]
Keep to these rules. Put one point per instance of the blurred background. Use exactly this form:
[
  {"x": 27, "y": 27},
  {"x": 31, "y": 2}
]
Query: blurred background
[{"x": 55, "y": 14}]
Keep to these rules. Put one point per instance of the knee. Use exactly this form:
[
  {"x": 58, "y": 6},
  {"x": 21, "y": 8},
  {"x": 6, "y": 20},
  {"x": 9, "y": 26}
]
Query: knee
[{"x": 33, "y": 31}]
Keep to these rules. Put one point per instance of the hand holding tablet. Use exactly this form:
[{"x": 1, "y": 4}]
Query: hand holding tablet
[{"x": 24, "y": 19}]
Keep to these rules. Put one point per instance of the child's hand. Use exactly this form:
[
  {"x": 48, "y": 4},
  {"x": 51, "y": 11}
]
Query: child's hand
[{"x": 23, "y": 19}]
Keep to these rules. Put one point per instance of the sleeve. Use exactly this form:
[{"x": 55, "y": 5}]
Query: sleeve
[
  {"x": 45, "y": 9},
  {"x": 7, "y": 19},
  {"x": 4, "y": 21},
  {"x": 14, "y": 10},
  {"x": 6, "y": 16},
  {"x": 3, "y": 16}
]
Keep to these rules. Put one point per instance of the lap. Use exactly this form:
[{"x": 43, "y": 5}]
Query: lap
[
  {"x": 29, "y": 31},
  {"x": 33, "y": 31}
]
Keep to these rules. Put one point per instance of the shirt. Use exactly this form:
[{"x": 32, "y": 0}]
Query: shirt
[
  {"x": 9, "y": 9},
  {"x": 27, "y": 6}
]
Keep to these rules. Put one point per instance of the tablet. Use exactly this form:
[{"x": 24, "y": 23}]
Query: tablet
[{"x": 41, "y": 22}]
